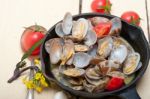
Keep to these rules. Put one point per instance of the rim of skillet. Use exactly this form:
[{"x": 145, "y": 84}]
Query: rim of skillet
[{"x": 105, "y": 92}]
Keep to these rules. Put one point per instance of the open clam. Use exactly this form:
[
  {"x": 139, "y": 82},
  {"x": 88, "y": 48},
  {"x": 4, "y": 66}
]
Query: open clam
[
  {"x": 81, "y": 48},
  {"x": 54, "y": 48},
  {"x": 67, "y": 23},
  {"x": 67, "y": 51},
  {"x": 96, "y": 60},
  {"x": 92, "y": 74},
  {"x": 79, "y": 29},
  {"x": 98, "y": 82},
  {"x": 119, "y": 54},
  {"x": 116, "y": 26},
  {"x": 121, "y": 41},
  {"x": 90, "y": 38},
  {"x": 70, "y": 60},
  {"x": 97, "y": 20},
  {"x": 90, "y": 26},
  {"x": 81, "y": 60},
  {"x": 117, "y": 74},
  {"x": 58, "y": 75},
  {"x": 105, "y": 46},
  {"x": 59, "y": 30},
  {"x": 105, "y": 67},
  {"x": 88, "y": 87},
  {"x": 102, "y": 84},
  {"x": 76, "y": 81},
  {"x": 132, "y": 63},
  {"x": 93, "y": 51},
  {"x": 74, "y": 72}
]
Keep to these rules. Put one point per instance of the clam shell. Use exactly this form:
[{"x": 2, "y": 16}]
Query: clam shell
[
  {"x": 67, "y": 23},
  {"x": 90, "y": 26},
  {"x": 96, "y": 60},
  {"x": 98, "y": 82},
  {"x": 97, "y": 20},
  {"x": 90, "y": 38},
  {"x": 119, "y": 54},
  {"x": 139, "y": 66},
  {"x": 81, "y": 48},
  {"x": 92, "y": 74},
  {"x": 116, "y": 26},
  {"x": 102, "y": 84},
  {"x": 81, "y": 60},
  {"x": 54, "y": 48},
  {"x": 121, "y": 41},
  {"x": 59, "y": 31},
  {"x": 113, "y": 64},
  {"x": 132, "y": 63},
  {"x": 59, "y": 76},
  {"x": 129, "y": 78},
  {"x": 74, "y": 72},
  {"x": 88, "y": 87},
  {"x": 105, "y": 46},
  {"x": 70, "y": 61},
  {"x": 75, "y": 81},
  {"x": 79, "y": 29},
  {"x": 93, "y": 51},
  {"x": 68, "y": 51},
  {"x": 104, "y": 68},
  {"x": 116, "y": 74}
]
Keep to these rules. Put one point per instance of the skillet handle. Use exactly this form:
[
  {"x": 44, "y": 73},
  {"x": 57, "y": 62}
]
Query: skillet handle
[{"x": 131, "y": 93}]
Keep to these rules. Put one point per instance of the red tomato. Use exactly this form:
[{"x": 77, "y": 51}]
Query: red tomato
[
  {"x": 102, "y": 29},
  {"x": 30, "y": 36},
  {"x": 101, "y": 6},
  {"x": 114, "y": 83},
  {"x": 131, "y": 17}
]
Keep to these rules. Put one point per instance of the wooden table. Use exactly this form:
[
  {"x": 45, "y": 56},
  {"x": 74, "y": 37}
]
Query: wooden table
[{"x": 15, "y": 14}]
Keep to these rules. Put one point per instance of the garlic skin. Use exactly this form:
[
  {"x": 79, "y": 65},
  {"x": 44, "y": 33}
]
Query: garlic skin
[{"x": 60, "y": 95}]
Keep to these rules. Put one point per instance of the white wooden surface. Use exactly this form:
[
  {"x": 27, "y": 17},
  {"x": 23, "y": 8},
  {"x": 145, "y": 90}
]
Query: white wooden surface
[{"x": 16, "y": 14}]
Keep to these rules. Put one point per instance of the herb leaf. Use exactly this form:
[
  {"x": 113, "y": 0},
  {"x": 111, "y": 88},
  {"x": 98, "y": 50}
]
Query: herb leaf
[{"x": 29, "y": 52}]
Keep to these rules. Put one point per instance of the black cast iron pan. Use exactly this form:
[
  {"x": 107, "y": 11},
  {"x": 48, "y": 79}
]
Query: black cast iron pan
[{"x": 133, "y": 34}]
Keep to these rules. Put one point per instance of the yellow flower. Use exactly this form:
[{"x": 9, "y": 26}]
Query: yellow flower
[
  {"x": 29, "y": 84},
  {"x": 38, "y": 76},
  {"x": 38, "y": 82},
  {"x": 43, "y": 83},
  {"x": 38, "y": 89},
  {"x": 36, "y": 61}
]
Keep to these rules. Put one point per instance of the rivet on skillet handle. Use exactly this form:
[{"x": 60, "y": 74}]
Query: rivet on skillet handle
[{"x": 130, "y": 93}]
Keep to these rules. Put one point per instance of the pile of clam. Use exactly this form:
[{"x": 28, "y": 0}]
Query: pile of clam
[{"x": 82, "y": 61}]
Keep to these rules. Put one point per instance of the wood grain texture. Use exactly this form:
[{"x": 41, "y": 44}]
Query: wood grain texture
[{"x": 16, "y": 14}]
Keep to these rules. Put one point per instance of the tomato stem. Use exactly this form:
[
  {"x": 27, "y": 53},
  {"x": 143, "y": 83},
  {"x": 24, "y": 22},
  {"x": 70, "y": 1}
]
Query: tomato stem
[
  {"x": 37, "y": 28},
  {"x": 134, "y": 22},
  {"x": 107, "y": 7}
]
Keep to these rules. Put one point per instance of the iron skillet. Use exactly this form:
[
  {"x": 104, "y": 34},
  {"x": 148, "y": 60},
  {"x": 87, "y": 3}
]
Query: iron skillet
[{"x": 133, "y": 34}]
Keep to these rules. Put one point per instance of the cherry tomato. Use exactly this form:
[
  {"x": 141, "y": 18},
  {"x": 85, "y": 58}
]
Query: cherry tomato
[
  {"x": 30, "y": 36},
  {"x": 131, "y": 17},
  {"x": 101, "y": 6},
  {"x": 102, "y": 29},
  {"x": 114, "y": 83}
]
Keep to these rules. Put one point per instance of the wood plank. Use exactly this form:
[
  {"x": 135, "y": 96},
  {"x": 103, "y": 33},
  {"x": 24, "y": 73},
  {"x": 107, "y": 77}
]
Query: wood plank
[
  {"x": 148, "y": 16},
  {"x": 15, "y": 14}
]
